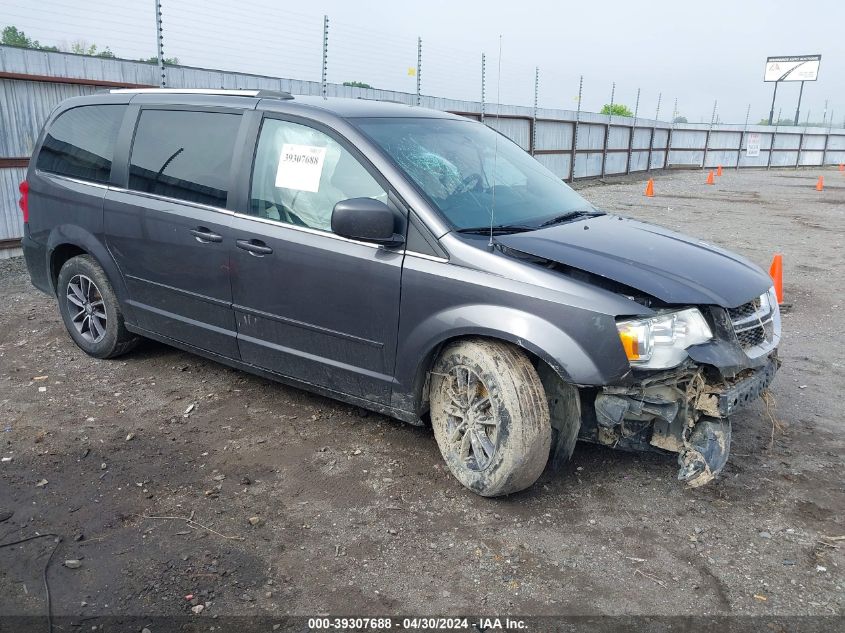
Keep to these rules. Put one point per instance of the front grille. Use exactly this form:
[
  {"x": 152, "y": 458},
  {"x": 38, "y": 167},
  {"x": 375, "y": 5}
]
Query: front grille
[
  {"x": 751, "y": 337},
  {"x": 753, "y": 324},
  {"x": 745, "y": 310}
]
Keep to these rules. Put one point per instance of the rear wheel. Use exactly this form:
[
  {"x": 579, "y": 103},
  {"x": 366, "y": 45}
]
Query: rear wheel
[
  {"x": 490, "y": 416},
  {"x": 90, "y": 309}
]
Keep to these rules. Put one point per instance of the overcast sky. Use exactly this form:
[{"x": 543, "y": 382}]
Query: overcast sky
[{"x": 697, "y": 52}]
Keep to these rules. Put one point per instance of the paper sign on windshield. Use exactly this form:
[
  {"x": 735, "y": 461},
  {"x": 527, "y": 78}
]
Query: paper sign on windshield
[{"x": 300, "y": 167}]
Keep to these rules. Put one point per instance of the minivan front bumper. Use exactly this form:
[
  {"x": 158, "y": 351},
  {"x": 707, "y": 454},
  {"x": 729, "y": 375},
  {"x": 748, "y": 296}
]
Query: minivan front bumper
[{"x": 685, "y": 410}]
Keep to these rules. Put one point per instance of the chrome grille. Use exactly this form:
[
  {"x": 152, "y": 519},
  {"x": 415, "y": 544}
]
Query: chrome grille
[
  {"x": 745, "y": 310},
  {"x": 753, "y": 324}
]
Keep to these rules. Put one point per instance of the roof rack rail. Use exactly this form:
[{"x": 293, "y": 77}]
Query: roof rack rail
[
  {"x": 259, "y": 94},
  {"x": 383, "y": 100}
]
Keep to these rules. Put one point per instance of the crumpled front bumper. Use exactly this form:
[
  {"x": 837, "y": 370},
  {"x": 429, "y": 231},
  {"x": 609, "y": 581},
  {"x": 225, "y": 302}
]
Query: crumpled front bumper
[
  {"x": 746, "y": 390},
  {"x": 685, "y": 410}
]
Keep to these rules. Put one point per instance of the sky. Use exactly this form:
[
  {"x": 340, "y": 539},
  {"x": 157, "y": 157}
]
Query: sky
[{"x": 700, "y": 53}]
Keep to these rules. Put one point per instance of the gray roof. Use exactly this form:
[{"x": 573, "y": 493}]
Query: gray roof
[{"x": 359, "y": 108}]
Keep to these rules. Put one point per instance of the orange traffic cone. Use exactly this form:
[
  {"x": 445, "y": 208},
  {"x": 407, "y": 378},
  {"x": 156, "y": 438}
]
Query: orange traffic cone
[
  {"x": 776, "y": 273},
  {"x": 649, "y": 188},
  {"x": 820, "y": 184},
  {"x": 719, "y": 170},
  {"x": 841, "y": 167},
  {"x": 710, "y": 180}
]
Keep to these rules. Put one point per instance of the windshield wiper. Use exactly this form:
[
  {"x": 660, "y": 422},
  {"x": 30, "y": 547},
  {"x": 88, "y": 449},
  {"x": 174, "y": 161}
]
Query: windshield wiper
[
  {"x": 499, "y": 229},
  {"x": 571, "y": 215}
]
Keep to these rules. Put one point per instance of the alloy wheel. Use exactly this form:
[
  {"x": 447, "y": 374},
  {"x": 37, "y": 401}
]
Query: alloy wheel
[
  {"x": 471, "y": 424},
  {"x": 87, "y": 309}
]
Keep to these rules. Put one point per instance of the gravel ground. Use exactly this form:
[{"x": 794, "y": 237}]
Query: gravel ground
[{"x": 302, "y": 505}]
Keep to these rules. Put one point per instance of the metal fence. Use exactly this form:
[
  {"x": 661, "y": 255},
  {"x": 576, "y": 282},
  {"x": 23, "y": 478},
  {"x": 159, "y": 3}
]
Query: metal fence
[{"x": 572, "y": 144}]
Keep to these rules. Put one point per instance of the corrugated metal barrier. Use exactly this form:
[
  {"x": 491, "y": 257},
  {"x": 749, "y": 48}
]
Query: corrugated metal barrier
[{"x": 572, "y": 145}]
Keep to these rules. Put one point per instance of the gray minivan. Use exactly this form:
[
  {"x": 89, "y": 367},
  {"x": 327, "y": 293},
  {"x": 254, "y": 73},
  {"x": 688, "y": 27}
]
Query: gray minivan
[{"x": 409, "y": 261}]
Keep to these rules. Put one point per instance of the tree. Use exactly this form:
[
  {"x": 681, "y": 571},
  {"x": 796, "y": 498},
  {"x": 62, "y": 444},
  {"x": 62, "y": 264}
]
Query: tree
[
  {"x": 356, "y": 84},
  {"x": 168, "y": 61},
  {"x": 680, "y": 119},
  {"x": 12, "y": 36},
  {"x": 778, "y": 122},
  {"x": 81, "y": 47},
  {"x": 617, "y": 109}
]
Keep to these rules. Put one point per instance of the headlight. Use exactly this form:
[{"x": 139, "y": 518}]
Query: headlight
[{"x": 660, "y": 342}]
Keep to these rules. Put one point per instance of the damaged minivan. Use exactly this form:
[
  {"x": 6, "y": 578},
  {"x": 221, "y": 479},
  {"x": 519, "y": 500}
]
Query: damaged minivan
[{"x": 405, "y": 260}]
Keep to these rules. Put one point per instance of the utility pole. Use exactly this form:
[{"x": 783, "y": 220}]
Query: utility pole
[
  {"x": 742, "y": 136},
  {"x": 324, "y": 89},
  {"x": 798, "y": 109},
  {"x": 483, "y": 85},
  {"x": 534, "y": 115},
  {"x": 160, "y": 45},
  {"x": 607, "y": 131},
  {"x": 772, "y": 111},
  {"x": 632, "y": 134},
  {"x": 575, "y": 131},
  {"x": 612, "y": 97},
  {"x": 419, "y": 68},
  {"x": 657, "y": 114}
]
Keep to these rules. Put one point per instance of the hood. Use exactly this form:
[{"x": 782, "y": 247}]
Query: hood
[{"x": 669, "y": 266}]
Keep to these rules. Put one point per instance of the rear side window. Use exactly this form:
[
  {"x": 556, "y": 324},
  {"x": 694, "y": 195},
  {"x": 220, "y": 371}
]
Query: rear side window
[
  {"x": 185, "y": 155},
  {"x": 80, "y": 142}
]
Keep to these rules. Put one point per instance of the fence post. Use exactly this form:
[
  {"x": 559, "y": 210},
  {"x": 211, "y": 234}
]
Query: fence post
[
  {"x": 707, "y": 138},
  {"x": 633, "y": 132},
  {"x": 160, "y": 45},
  {"x": 483, "y": 84},
  {"x": 650, "y": 146},
  {"x": 575, "y": 131},
  {"x": 800, "y": 149},
  {"x": 772, "y": 148},
  {"x": 826, "y": 137},
  {"x": 742, "y": 136},
  {"x": 669, "y": 135},
  {"x": 607, "y": 131},
  {"x": 419, "y": 68},
  {"x": 323, "y": 78},
  {"x": 534, "y": 114}
]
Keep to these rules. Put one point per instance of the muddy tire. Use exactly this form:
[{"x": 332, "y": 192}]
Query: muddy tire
[
  {"x": 490, "y": 416},
  {"x": 90, "y": 309}
]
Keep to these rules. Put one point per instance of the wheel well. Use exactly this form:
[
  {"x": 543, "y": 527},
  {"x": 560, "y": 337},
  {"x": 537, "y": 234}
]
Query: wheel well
[
  {"x": 59, "y": 256},
  {"x": 422, "y": 380}
]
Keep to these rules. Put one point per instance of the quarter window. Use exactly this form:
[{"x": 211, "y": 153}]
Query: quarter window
[
  {"x": 80, "y": 142},
  {"x": 300, "y": 174},
  {"x": 185, "y": 155}
]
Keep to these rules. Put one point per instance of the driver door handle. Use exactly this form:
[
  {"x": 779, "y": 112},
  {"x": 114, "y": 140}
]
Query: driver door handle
[
  {"x": 204, "y": 235},
  {"x": 254, "y": 247}
]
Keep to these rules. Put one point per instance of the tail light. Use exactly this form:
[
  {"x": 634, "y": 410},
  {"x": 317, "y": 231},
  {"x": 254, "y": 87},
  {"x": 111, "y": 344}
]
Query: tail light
[{"x": 23, "y": 203}]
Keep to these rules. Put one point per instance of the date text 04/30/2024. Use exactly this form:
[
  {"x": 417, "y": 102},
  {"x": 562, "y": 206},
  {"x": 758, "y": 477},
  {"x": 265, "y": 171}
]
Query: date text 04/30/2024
[{"x": 417, "y": 624}]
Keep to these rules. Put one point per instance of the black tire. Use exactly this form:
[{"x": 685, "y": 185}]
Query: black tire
[
  {"x": 98, "y": 337},
  {"x": 502, "y": 399}
]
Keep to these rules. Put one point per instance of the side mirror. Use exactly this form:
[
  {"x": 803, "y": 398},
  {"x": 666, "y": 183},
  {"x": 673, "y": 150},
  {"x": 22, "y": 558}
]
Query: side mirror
[{"x": 366, "y": 220}]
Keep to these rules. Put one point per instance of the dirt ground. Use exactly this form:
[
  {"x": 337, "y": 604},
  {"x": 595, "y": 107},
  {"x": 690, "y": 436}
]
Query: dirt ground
[{"x": 355, "y": 513}]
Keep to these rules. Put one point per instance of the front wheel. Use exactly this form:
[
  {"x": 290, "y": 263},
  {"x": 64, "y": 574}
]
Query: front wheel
[
  {"x": 90, "y": 309},
  {"x": 490, "y": 416}
]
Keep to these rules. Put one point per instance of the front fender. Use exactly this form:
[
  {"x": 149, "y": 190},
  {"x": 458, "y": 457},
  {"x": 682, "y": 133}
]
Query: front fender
[
  {"x": 73, "y": 235},
  {"x": 540, "y": 337}
]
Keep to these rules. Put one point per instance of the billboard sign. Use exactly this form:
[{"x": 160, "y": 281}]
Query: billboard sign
[{"x": 795, "y": 68}]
